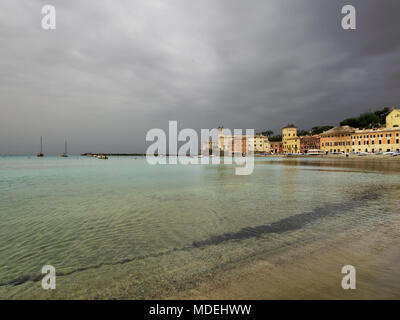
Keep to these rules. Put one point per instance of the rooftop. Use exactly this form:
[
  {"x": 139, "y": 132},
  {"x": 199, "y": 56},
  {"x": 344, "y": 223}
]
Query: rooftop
[
  {"x": 290, "y": 126},
  {"x": 339, "y": 130}
]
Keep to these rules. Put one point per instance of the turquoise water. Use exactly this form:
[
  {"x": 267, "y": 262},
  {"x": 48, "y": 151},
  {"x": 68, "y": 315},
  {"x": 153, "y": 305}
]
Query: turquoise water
[{"x": 121, "y": 228}]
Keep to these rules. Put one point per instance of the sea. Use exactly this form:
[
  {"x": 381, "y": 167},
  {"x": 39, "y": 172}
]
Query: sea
[{"x": 125, "y": 229}]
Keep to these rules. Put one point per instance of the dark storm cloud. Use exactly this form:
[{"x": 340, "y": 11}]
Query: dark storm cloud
[{"x": 115, "y": 69}]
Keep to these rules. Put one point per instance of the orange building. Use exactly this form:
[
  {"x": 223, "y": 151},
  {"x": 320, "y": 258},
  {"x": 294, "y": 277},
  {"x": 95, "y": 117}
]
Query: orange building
[{"x": 337, "y": 139}]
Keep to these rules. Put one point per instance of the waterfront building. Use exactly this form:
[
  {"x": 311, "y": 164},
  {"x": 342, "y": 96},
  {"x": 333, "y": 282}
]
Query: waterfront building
[
  {"x": 275, "y": 147},
  {"x": 337, "y": 139},
  {"x": 393, "y": 119},
  {"x": 309, "y": 143},
  {"x": 348, "y": 139},
  {"x": 238, "y": 145},
  {"x": 250, "y": 144},
  {"x": 234, "y": 144},
  {"x": 341, "y": 139},
  {"x": 260, "y": 143},
  {"x": 376, "y": 140},
  {"x": 209, "y": 147},
  {"x": 290, "y": 140}
]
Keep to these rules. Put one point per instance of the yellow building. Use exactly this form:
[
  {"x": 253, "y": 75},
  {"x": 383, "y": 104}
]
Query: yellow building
[
  {"x": 393, "y": 119},
  {"x": 290, "y": 140},
  {"x": 260, "y": 143},
  {"x": 378, "y": 140},
  {"x": 347, "y": 139},
  {"x": 381, "y": 139}
]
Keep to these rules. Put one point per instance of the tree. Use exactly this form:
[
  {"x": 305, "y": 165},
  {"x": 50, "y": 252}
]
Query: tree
[
  {"x": 367, "y": 120},
  {"x": 275, "y": 138},
  {"x": 303, "y": 133},
  {"x": 320, "y": 129},
  {"x": 267, "y": 133}
]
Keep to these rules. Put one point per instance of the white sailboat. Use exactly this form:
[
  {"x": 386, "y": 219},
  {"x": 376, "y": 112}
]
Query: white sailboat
[
  {"x": 40, "y": 154},
  {"x": 65, "y": 154}
]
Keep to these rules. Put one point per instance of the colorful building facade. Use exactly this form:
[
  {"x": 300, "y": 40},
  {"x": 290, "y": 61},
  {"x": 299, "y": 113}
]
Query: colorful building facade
[
  {"x": 290, "y": 140},
  {"x": 276, "y": 147},
  {"x": 337, "y": 139},
  {"x": 309, "y": 143},
  {"x": 393, "y": 119},
  {"x": 347, "y": 139},
  {"x": 341, "y": 139},
  {"x": 237, "y": 144},
  {"x": 379, "y": 140},
  {"x": 260, "y": 143}
]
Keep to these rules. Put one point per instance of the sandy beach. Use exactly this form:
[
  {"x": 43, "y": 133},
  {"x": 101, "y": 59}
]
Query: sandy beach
[{"x": 314, "y": 271}]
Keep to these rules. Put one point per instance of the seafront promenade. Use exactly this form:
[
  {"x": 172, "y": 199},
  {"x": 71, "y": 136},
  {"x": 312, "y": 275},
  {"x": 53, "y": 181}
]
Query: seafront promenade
[{"x": 348, "y": 157}]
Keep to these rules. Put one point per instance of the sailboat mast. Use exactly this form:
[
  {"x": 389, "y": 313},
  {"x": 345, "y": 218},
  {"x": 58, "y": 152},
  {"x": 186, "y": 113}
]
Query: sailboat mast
[
  {"x": 40, "y": 154},
  {"x": 65, "y": 146}
]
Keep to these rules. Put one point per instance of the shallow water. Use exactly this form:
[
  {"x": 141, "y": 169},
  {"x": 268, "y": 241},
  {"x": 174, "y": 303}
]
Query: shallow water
[{"x": 121, "y": 228}]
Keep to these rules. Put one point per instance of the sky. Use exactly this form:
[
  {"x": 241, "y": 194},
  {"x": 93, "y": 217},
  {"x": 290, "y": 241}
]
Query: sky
[{"x": 113, "y": 70}]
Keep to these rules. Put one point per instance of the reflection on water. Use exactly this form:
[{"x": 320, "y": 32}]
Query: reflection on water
[{"x": 123, "y": 228}]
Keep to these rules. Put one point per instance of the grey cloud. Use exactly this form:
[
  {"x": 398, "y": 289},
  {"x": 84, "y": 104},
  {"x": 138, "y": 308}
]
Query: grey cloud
[{"x": 113, "y": 70}]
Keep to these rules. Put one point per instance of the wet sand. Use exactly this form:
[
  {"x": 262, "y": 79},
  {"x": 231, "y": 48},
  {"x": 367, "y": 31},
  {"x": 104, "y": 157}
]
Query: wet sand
[{"x": 314, "y": 271}]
